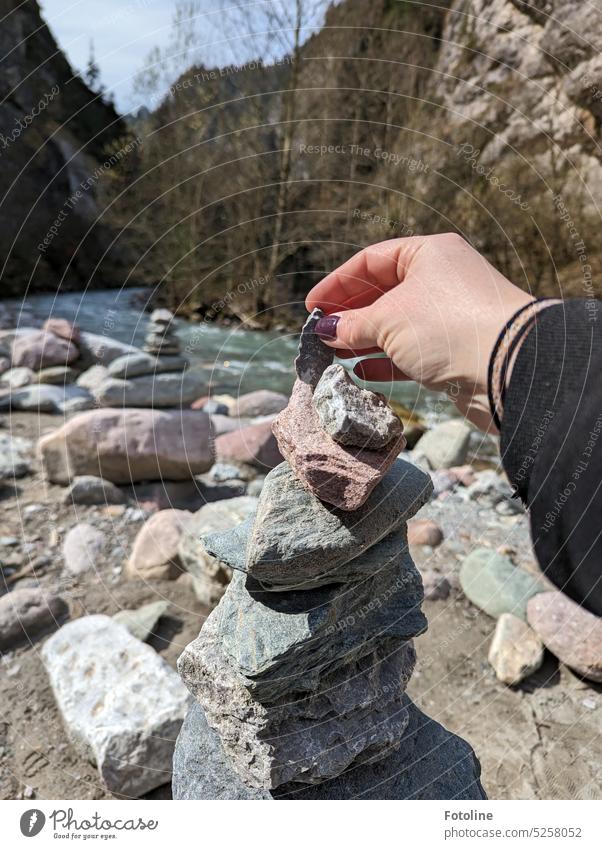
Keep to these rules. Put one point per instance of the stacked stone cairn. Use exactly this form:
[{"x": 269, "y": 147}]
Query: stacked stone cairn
[
  {"x": 300, "y": 672},
  {"x": 158, "y": 376},
  {"x": 161, "y": 339}
]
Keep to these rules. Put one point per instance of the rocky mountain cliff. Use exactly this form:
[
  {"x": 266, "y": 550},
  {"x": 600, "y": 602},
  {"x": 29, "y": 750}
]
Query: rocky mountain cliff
[
  {"x": 395, "y": 118},
  {"x": 55, "y": 135}
]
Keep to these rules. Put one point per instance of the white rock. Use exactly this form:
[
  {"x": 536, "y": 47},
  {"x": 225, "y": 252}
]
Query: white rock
[
  {"x": 82, "y": 548},
  {"x": 121, "y": 704}
]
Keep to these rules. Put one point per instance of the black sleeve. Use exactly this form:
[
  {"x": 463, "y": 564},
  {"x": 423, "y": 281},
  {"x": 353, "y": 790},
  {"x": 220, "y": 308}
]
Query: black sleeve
[{"x": 550, "y": 443}]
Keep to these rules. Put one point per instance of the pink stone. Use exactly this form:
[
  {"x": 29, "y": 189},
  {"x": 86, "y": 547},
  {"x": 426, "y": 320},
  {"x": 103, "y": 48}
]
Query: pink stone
[
  {"x": 569, "y": 631},
  {"x": 63, "y": 328},
  {"x": 254, "y": 444},
  {"x": 129, "y": 445},
  {"x": 41, "y": 350},
  {"x": 338, "y": 474},
  {"x": 424, "y": 532}
]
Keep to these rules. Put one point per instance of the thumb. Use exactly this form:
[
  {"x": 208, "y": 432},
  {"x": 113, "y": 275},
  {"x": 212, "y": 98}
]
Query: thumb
[{"x": 352, "y": 330}]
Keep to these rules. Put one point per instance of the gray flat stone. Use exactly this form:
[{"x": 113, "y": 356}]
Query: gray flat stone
[
  {"x": 287, "y": 641},
  {"x": 314, "y": 356},
  {"x": 141, "y": 622},
  {"x": 121, "y": 704},
  {"x": 353, "y": 714},
  {"x": 431, "y": 763},
  {"x": 166, "y": 389},
  {"x": 140, "y": 363},
  {"x": 352, "y": 415},
  {"x": 298, "y": 541}
]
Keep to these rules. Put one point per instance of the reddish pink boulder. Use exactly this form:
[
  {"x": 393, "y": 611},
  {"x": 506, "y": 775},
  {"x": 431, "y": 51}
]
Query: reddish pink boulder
[
  {"x": 129, "y": 445},
  {"x": 569, "y": 631},
  {"x": 41, "y": 350},
  {"x": 255, "y": 445},
  {"x": 424, "y": 532},
  {"x": 340, "y": 475},
  {"x": 63, "y": 328}
]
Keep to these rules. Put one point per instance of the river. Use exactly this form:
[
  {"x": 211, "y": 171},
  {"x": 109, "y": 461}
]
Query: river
[{"x": 233, "y": 359}]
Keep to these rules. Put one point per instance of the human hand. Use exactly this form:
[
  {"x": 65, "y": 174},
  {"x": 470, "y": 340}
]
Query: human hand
[{"x": 432, "y": 304}]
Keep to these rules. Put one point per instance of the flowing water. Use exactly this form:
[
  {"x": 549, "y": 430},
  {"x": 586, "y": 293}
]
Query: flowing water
[{"x": 232, "y": 359}]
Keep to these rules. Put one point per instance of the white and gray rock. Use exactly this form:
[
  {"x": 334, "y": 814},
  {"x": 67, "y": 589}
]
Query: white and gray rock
[
  {"x": 15, "y": 456},
  {"x": 82, "y": 549},
  {"x": 27, "y": 613},
  {"x": 352, "y": 415},
  {"x": 121, "y": 704},
  {"x": 446, "y": 445},
  {"x": 88, "y": 489}
]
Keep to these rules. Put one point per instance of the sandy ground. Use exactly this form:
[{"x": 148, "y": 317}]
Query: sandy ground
[{"x": 541, "y": 740}]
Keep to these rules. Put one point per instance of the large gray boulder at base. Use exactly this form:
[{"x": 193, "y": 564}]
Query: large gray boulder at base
[
  {"x": 431, "y": 763},
  {"x": 129, "y": 445},
  {"x": 121, "y": 704}
]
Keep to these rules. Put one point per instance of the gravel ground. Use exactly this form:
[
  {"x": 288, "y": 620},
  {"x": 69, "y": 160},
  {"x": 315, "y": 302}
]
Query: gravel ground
[{"x": 539, "y": 740}]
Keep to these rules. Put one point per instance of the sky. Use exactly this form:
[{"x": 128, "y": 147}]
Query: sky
[{"x": 123, "y": 32}]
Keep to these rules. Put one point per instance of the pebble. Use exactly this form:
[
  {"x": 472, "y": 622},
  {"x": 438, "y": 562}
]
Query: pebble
[
  {"x": 89, "y": 490},
  {"x": 516, "y": 651},
  {"x": 82, "y": 549},
  {"x": 424, "y": 532}
]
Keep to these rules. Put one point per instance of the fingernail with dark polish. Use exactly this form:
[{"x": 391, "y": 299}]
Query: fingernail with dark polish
[{"x": 326, "y": 327}]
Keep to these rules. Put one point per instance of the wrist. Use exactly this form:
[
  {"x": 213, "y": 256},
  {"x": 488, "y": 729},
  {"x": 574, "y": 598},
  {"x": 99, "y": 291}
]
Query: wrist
[{"x": 505, "y": 352}]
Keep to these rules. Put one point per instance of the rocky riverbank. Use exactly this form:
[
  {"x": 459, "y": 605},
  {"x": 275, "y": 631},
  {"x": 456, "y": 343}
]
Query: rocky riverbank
[{"x": 101, "y": 511}]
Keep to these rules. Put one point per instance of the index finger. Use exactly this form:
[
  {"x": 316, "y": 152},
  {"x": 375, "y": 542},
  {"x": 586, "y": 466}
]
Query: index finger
[{"x": 366, "y": 276}]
